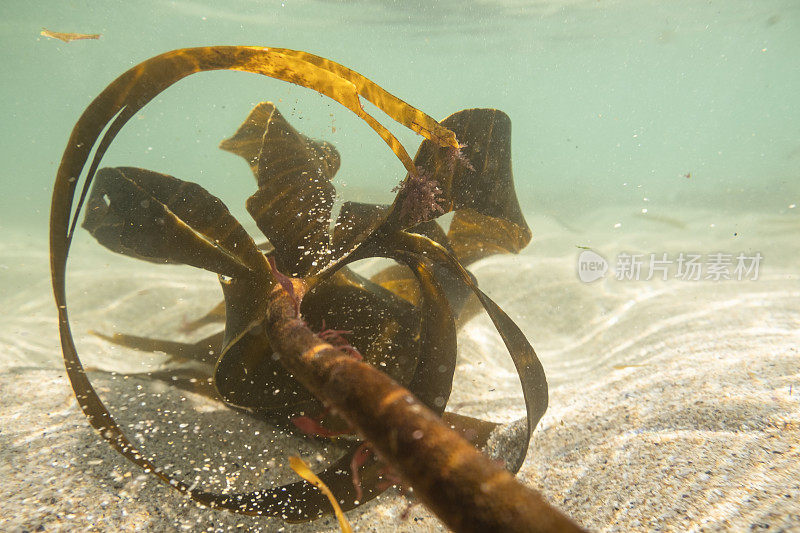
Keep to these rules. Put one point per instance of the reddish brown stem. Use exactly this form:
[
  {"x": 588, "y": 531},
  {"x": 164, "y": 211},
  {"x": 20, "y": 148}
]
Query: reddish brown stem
[{"x": 467, "y": 490}]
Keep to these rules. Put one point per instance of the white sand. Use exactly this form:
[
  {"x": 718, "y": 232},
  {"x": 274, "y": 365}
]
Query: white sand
[{"x": 674, "y": 405}]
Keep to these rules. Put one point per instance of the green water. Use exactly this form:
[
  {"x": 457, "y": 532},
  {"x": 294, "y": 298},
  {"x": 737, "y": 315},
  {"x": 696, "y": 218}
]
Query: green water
[{"x": 612, "y": 102}]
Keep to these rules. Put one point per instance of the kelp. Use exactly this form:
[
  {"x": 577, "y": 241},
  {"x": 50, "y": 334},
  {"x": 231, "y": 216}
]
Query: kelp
[{"x": 275, "y": 297}]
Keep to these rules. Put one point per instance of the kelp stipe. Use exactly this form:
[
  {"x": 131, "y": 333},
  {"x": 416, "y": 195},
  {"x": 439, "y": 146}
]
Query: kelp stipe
[{"x": 466, "y": 489}]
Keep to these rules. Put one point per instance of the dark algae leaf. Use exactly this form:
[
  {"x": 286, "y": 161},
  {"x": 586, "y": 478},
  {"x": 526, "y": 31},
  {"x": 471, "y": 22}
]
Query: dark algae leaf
[
  {"x": 474, "y": 235},
  {"x": 383, "y": 358},
  {"x": 292, "y": 206},
  {"x": 476, "y": 177},
  {"x": 433, "y": 379},
  {"x": 356, "y": 221},
  {"x": 158, "y": 218},
  {"x": 285, "y": 149}
]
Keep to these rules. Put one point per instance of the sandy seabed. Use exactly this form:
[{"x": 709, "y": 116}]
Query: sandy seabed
[{"x": 674, "y": 405}]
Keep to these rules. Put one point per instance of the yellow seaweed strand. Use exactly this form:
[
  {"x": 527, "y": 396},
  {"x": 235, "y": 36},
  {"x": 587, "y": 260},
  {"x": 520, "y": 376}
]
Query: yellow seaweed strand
[
  {"x": 324, "y": 77},
  {"x": 302, "y": 469},
  {"x": 393, "y": 106}
]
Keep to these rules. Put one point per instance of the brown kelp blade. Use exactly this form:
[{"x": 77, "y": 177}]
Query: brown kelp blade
[
  {"x": 249, "y": 375},
  {"x": 110, "y": 111},
  {"x": 356, "y": 221},
  {"x": 67, "y": 37},
  {"x": 476, "y": 430},
  {"x": 402, "y": 280},
  {"x": 433, "y": 379},
  {"x": 480, "y": 180},
  {"x": 399, "y": 278},
  {"x": 292, "y": 206},
  {"x": 159, "y": 218},
  {"x": 383, "y": 327},
  {"x": 529, "y": 368},
  {"x": 266, "y": 134},
  {"x": 396, "y": 108},
  {"x": 474, "y": 236}
]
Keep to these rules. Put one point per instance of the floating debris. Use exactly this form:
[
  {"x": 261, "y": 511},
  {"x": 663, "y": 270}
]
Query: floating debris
[{"x": 67, "y": 37}]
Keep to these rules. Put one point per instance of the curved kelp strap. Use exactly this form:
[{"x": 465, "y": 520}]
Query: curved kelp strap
[
  {"x": 116, "y": 105},
  {"x": 529, "y": 368},
  {"x": 396, "y": 108},
  {"x": 433, "y": 378}
]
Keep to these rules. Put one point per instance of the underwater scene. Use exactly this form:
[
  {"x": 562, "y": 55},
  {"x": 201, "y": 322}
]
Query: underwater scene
[{"x": 325, "y": 265}]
